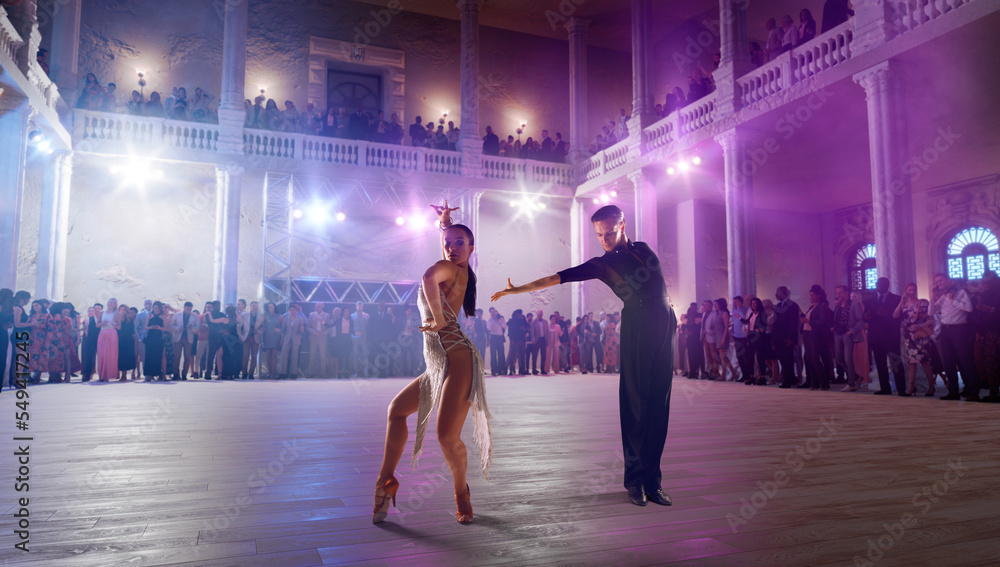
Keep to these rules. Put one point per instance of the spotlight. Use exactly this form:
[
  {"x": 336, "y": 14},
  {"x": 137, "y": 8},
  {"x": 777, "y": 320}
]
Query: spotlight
[
  {"x": 418, "y": 221},
  {"x": 614, "y": 193},
  {"x": 44, "y": 146},
  {"x": 671, "y": 171},
  {"x": 683, "y": 166},
  {"x": 597, "y": 201},
  {"x": 541, "y": 205},
  {"x": 513, "y": 204},
  {"x": 696, "y": 160},
  {"x": 317, "y": 213},
  {"x": 400, "y": 221},
  {"x": 297, "y": 213},
  {"x": 35, "y": 136},
  {"x": 341, "y": 216}
]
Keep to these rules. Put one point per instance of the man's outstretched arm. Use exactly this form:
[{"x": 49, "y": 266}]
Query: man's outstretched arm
[{"x": 536, "y": 285}]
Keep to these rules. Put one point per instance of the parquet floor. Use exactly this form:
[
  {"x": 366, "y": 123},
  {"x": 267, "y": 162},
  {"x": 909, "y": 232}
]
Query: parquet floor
[{"x": 281, "y": 474}]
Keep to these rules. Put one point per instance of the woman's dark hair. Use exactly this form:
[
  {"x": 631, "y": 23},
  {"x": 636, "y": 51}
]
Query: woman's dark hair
[
  {"x": 271, "y": 303},
  {"x": 608, "y": 213},
  {"x": 6, "y": 304},
  {"x": 231, "y": 313},
  {"x": 759, "y": 305},
  {"x": 40, "y": 304},
  {"x": 469, "y": 303},
  {"x": 21, "y": 297},
  {"x": 723, "y": 304}
]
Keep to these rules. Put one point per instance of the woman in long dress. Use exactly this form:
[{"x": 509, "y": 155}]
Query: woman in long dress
[
  {"x": 107, "y": 343},
  {"x": 38, "y": 344},
  {"x": 153, "y": 361},
  {"x": 126, "y": 343},
  {"x": 454, "y": 378}
]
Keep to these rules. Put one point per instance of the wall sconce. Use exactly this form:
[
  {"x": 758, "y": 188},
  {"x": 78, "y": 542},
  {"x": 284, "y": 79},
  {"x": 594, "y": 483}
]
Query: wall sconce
[
  {"x": 444, "y": 117},
  {"x": 142, "y": 83},
  {"x": 520, "y": 129}
]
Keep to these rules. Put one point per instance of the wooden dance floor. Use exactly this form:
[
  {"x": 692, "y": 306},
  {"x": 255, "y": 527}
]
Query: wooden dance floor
[{"x": 282, "y": 473}]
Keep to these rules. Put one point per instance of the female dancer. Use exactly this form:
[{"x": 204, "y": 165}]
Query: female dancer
[{"x": 454, "y": 376}]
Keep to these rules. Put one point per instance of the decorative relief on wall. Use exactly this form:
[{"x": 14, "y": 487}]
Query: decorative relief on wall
[
  {"x": 963, "y": 203},
  {"x": 853, "y": 225}
]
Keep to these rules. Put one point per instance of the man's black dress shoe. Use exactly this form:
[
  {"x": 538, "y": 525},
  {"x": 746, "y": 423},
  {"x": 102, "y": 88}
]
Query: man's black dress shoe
[
  {"x": 952, "y": 396},
  {"x": 637, "y": 495},
  {"x": 883, "y": 393},
  {"x": 660, "y": 497}
]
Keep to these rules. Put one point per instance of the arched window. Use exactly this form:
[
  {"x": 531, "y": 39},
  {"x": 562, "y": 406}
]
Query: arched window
[
  {"x": 971, "y": 252},
  {"x": 861, "y": 272}
]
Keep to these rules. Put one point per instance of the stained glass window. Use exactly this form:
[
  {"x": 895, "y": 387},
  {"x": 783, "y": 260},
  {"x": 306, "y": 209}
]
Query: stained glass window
[
  {"x": 862, "y": 273},
  {"x": 971, "y": 252}
]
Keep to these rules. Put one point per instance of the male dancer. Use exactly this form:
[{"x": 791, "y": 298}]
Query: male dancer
[{"x": 632, "y": 271}]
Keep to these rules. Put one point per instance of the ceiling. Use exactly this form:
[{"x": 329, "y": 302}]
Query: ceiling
[{"x": 610, "y": 19}]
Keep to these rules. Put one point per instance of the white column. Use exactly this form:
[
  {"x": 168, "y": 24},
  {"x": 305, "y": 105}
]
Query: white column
[
  {"x": 578, "y": 126},
  {"x": 52, "y": 227},
  {"x": 470, "y": 141},
  {"x": 14, "y": 115},
  {"x": 579, "y": 237},
  {"x": 469, "y": 216},
  {"x": 739, "y": 213},
  {"x": 65, "y": 52},
  {"x": 735, "y": 51},
  {"x": 228, "y": 185},
  {"x": 234, "y": 50},
  {"x": 891, "y": 192},
  {"x": 646, "y": 228},
  {"x": 642, "y": 58}
]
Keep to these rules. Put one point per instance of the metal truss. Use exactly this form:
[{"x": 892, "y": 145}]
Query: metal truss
[{"x": 331, "y": 290}]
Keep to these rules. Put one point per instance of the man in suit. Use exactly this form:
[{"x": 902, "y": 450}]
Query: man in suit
[
  {"x": 317, "y": 341},
  {"x": 548, "y": 146},
  {"x": 491, "y": 143},
  {"x": 249, "y": 327},
  {"x": 496, "y": 327},
  {"x": 359, "y": 339},
  {"x": 786, "y": 334},
  {"x": 381, "y": 335},
  {"x": 357, "y": 126},
  {"x": 140, "y": 331},
  {"x": 480, "y": 334},
  {"x": 291, "y": 342},
  {"x": 539, "y": 345},
  {"x": 183, "y": 327},
  {"x": 848, "y": 329},
  {"x": 883, "y": 336}
]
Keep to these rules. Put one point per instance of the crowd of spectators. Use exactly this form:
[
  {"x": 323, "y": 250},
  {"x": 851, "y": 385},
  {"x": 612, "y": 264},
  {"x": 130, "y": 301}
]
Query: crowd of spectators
[
  {"x": 118, "y": 342},
  {"x": 94, "y": 96},
  {"x": 955, "y": 334},
  {"x": 545, "y": 148}
]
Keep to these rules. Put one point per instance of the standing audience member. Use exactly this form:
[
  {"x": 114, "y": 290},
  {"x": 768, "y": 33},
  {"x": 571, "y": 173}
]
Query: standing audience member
[
  {"x": 201, "y": 351},
  {"x": 918, "y": 326},
  {"x": 359, "y": 340},
  {"x": 835, "y": 12},
  {"x": 553, "y": 344},
  {"x": 710, "y": 336},
  {"x": 956, "y": 340},
  {"x": 343, "y": 330},
  {"x": 757, "y": 346},
  {"x": 790, "y": 34},
  {"x": 696, "y": 354},
  {"x": 724, "y": 332},
  {"x": 107, "y": 343},
  {"x": 816, "y": 323},
  {"x": 91, "y": 331},
  {"x": 183, "y": 329},
  {"x": 40, "y": 344},
  {"x": 126, "y": 343},
  {"x": 741, "y": 318},
  {"x": 517, "y": 331},
  {"x": 848, "y": 330},
  {"x": 539, "y": 345},
  {"x": 496, "y": 326},
  {"x": 774, "y": 39},
  {"x": 786, "y": 335},
  {"x": 988, "y": 314},
  {"x": 807, "y": 27},
  {"x": 153, "y": 365},
  {"x": 862, "y": 358},
  {"x": 317, "y": 330},
  {"x": 291, "y": 342},
  {"x": 270, "y": 343},
  {"x": 883, "y": 335},
  {"x": 250, "y": 330}
]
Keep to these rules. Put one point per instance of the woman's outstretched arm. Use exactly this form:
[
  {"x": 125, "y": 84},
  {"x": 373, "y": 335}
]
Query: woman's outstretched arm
[{"x": 541, "y": 283}]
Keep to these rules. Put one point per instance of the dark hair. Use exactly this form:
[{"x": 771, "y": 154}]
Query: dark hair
[
  {"x": 21, "y": 297},
  {"x": 469, "y": 303},
  {"x": 758, "y": 302},
  {"x": 99, "y": 305},
  {"x": 188, "y": 304},
  {"x": 231, "y": 313},
  {"x": 723, "y": 304},
  {"x": 740, "y": 297},
  {"x": 608, "y": 213}
]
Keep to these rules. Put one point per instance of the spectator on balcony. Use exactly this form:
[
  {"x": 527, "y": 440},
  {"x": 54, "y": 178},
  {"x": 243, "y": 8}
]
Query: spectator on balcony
[
  {"x": 429, "y": 141},
  {"x": 343, "y": 123},
  {"x": 807, "y": 26},
  {"x": 290, "y": 118},
  {"x": 42, "y": 57},
  {"x": 835, "y": 12},
  {"x": 394, "y": 130},
  {"x": 622, "y": 124},
  {"x": 153, "y": 107},
  {"x": 597, "y": 145},
  {"x": 109, "y": 102},
  {"x": 135, "y": 105},
  {"x": 658, "y": 110},
  {"x": 491, "y": 143},
  {"x": 258, "y": 112},
  {"x": 772, "y": 47},
  {"x": 417, "y": 133},
  {"x": 609, "y": 137},
  {"x": 680, "y": 97},
  {"x": 528, "y": 149},
  {"x": 507, "y": 147},
  {"x": 440, "y": 139},
  {"x": 669, "y": 105},
  {"x": 272, "y": 117},
  {"x": 379, "y": 129},
  {"x": 201, "y": 110},
  {"x": 547, "y": 147},
  {"x": 699, "y": 85},
  {"x": 309, "y": 121},
  {"x": 91, "y": 96},
  {"x": 357, "y": 125},
  {"x": 516, "y": 150},
  {"x": 453, "y": 134},
  {"x": 790, "y": 34},
  {"x": 561, "y": 149},
  {"x": 757, "y": 56},
  {"x": 330, "y": 121},
  {"x": 178, "y": 104}
]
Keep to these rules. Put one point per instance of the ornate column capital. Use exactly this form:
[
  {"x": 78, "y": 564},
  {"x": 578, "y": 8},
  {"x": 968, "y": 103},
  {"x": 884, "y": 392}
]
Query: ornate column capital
[
  {"x": 469, "y": 5},
  {"x": 875, "y": 79},
  {"x": 576, "y": 25}
]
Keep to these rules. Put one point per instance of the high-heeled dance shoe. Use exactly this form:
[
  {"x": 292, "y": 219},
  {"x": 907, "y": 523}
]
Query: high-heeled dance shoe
[
  {"x": 384, "y": 493},
  {"x": 463, "y": 505}
]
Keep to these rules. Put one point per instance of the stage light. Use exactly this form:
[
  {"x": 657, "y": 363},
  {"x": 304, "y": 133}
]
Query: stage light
[
  {"x": 513, "y": 204},
  {"x": 400, "y": 221},
  {"x": 605, "y": 199},
  {"x": 135, "y": 171},
  {"x": 35, "y": 136},
  {"x": 696, "y": 160},
  {"x": 614, "y": 193},
  {"x": 317, "y": 213},
  {"x": 341, "y": 216},
  {"x": 541, "y": 205},
  {"x": 418, "y": 221},
  {"x": 671, "y": 171},
  {"x": 683, "y": 166},
  {"x": 597, "y": 201},
  {"x": 297, "y": 213}
]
